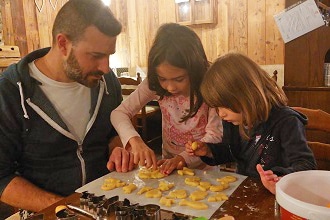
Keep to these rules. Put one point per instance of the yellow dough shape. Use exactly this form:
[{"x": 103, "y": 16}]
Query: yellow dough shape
[
  {"x": 193, "y": 204},
  {"x": 217, "y": 197},
  {"x": 144, "y": 189},
  {"x": 192, "y": 181},
  {"x": 218, "y": 188},
  {"x": 166, "y": 201},
  {"x": 129, "y": 188},
  {"x": 186, "y": 171},
  {"x": 204, "y": 186},
  {"x": 178, "y": 194},
  {"x": 108, "y": 186},
  {"x": 112, "y": 183},
  {"x": 194, "y": 145},
  {"x": 164, "y": 186},
  {"x": 198, "y": 195},
  {"x": 228, "y": 179},
  {"x": 149, "y": 173},
  {"x": 60, "y": 208},
  {"x": 154, "y": 193}
]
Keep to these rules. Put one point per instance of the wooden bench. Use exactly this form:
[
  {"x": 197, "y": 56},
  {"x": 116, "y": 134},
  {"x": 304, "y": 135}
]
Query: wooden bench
[{"x": 8, "y": 55}]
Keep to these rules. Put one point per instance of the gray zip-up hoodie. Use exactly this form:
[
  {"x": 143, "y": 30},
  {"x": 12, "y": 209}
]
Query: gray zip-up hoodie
[{"x": 36, "y": 144}]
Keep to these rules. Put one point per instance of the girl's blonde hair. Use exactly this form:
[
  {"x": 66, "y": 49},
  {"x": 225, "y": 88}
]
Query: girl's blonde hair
[{"x": 235, "y": 82}]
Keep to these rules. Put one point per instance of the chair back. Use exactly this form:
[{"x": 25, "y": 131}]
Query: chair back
[
  {"x": 318, "y": 121},
  {"x": 274, "y": 76},
  {"x": 139, "y": 121},
  {"x": 8, "y": 55},
  {"x": 129, "y": 84}
]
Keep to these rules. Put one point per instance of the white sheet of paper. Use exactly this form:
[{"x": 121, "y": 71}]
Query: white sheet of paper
[
  {"x": 132, "y": 177},
  {"x": 299, "y": 20}
]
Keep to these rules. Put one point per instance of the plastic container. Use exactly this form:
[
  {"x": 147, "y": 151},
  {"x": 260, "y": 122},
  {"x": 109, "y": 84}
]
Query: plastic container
[{"x": 304, "y": 195}]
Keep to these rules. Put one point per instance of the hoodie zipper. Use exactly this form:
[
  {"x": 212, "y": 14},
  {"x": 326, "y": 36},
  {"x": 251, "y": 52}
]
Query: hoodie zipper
[
  {"x": 66, "y": 133},
  {"x": 82, "y": 163}
]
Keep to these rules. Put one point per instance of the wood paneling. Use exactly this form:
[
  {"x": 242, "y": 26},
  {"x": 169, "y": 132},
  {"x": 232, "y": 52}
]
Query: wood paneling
[
  {"x": 274, "y": 43},
  {"x": 242, "y": 25},
  {"x": 8, "y": 32},
  {"x": 31, "y": 25},
  {"x": 256, "y": 31},
  {"x": 305, "y": 57}
]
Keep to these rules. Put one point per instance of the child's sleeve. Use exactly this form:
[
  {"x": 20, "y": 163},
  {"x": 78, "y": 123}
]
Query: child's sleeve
[
  {"x": 214, "y": 128},
  {"x": 295, "y": 150},
  {"x": 121, "y": 116}
]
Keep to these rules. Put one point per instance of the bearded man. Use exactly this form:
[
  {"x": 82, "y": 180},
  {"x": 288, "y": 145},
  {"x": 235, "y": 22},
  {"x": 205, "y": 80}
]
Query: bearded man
[{"x": 55, "y": 105}]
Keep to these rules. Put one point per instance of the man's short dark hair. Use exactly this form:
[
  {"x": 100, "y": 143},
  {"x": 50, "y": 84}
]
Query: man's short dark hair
[{"x": 76, "y": 15}]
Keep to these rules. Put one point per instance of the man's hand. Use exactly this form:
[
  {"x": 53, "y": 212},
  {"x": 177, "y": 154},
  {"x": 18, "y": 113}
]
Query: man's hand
[
  {"x": 120, "y": 160},
  {"x": 268, "y": 178}
]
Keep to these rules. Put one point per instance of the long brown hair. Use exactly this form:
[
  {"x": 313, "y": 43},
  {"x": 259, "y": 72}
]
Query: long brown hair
[
  {"x": 181, "y": 47},
  {"x": 235, "y": 82}
]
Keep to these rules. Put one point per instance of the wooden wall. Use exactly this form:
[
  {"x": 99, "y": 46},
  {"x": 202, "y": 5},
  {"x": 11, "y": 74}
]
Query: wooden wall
[{"x": 242, "y": 25}]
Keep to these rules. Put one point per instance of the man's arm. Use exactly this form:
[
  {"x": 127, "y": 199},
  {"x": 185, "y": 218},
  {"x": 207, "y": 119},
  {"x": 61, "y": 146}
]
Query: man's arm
[{"x": 23, "y": 194}]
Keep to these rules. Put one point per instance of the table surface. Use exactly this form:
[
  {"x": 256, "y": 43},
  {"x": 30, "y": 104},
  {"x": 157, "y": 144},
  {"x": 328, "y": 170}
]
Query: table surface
[{"x": 249, "y": 201}]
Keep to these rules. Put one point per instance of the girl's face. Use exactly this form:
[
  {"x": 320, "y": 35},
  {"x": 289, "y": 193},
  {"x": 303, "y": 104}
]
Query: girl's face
[
  {"x": 173, "y": 79},
  {"x": 230, "y": 116}
]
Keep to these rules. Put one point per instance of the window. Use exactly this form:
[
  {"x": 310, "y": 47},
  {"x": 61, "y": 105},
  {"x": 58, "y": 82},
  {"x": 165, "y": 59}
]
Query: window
[{"x": 195, "y": 11}]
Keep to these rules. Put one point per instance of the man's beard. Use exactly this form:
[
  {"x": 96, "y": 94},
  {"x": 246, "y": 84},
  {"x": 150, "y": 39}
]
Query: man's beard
[{"x": 73, "y": 71}]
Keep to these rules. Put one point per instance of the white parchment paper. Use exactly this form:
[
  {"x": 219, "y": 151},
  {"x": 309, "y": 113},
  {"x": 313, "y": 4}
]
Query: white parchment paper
[{"x": 132, "y": 177}]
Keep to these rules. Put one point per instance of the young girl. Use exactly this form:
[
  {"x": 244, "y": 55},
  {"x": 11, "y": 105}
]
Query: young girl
[
  {"x": 260, "y": 131},
  {"x": 176, "y": 66}
]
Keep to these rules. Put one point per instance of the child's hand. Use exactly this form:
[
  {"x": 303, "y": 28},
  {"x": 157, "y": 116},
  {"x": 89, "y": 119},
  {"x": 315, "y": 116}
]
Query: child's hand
[
  {"x": 200, "y": 150},
  {"x": 166, "y": 166},
  {"x": 143, "y": 155},
  {"x": 268, "y": 178}
]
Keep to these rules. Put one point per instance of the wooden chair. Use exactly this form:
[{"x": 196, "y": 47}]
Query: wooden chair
[
  {"x": 318, "y": 130},
  {"x": 8, "y": 55},
  {"x": 139, "y": 121},
  {"x": 274, "y": 76}
]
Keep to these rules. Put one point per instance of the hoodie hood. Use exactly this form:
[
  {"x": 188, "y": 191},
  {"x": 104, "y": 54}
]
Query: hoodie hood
[
  {"x": 278, "y": 114},
  {"x": 16, "y": 75},
  {"x": 24, "y": 82},
  {"x": 15, "y": 72}
]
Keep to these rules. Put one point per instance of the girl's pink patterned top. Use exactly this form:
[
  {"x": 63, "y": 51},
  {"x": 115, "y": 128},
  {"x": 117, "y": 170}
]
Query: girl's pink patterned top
[{"x": 205, "y": 126}]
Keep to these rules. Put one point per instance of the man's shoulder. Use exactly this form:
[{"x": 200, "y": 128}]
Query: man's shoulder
[
  {"x": 7, "y": 78},
  {"x": 112, "y": 82},
  {"x": 111, "y": 76}
]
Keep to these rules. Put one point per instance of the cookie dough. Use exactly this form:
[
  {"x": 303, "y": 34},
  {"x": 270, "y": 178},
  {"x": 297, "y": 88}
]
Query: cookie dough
[
  {"x": 178, "y": 194},
  {"x": 129, "y": 188},
  {"x": 217, "y": 197},
  {"x": 198, "y": 195},
  {"x": 149, "y": 173},
  {"x": 154, "y": 193},
  {"x": 192, "y": 181},
  {"x": 166, "y": 201},
  {"x": 193, "y": 204}
]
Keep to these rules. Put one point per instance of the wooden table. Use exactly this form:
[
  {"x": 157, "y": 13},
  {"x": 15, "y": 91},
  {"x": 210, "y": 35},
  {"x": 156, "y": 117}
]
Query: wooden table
[{"x": 249, "y": 201}]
